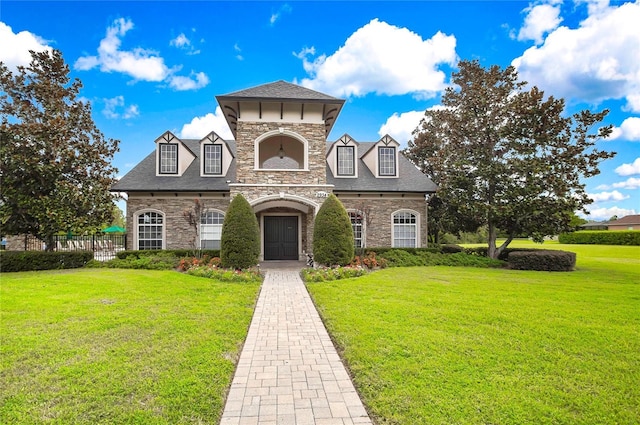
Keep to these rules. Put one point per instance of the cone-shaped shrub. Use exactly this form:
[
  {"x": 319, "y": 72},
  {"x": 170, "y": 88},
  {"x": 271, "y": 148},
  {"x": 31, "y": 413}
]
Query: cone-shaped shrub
[
  {"x": 240, "y": 240},
  {"x": 332, "y": 234}
]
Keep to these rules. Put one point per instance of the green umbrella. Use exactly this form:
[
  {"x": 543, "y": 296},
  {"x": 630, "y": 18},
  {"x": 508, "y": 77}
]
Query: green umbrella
[{"x": 113, "y": 229}]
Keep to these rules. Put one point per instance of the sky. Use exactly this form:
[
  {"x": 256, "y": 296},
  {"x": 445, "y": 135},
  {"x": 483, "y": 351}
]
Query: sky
[{"x": 148, "y": 67}]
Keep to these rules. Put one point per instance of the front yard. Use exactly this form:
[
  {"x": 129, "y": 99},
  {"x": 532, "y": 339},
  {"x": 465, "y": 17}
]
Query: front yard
[
  {"x": 118, "y": 346},
  {"x": 442, "y": 345}
]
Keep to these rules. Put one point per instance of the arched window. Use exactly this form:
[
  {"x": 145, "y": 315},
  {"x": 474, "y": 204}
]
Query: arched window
[
  {"x": 150, "y": 230},
  {"x": 211, "y": 229},
  {"x": 357, "y": 224},
  {"x": 405, "y": 229}
]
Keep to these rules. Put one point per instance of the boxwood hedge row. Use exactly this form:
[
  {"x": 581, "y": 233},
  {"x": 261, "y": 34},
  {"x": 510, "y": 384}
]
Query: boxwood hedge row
[
  {"x": 542, "y": 260},
  {"x": 602, "y": 237},
  {"x": 21, "y": 261}
]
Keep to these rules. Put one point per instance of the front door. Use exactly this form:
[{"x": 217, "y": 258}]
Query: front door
[{"x": 280, "y": 238}]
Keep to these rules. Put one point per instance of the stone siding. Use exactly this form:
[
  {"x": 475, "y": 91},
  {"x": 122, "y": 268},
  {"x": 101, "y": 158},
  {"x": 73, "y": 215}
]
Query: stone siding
[
  {"x": 379, "y": 232},
  {"x": 178, "y": 233},
  {"x": 248, "y": 132}
]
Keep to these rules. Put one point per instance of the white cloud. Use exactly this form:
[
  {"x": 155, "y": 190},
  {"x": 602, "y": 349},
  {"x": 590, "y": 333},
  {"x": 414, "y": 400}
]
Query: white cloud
[
  {"x": 372, "y": 62},
  {"x": 285, "y": 8},
  {"x": 141, "y": 64},
  {"x": 540, "y": 20},
  {"x": 14, "y": 48},
  {"x": 238, "y": 50},
  {"x": 628, "y": 130},
  {"x": 630, "y": 183},
  {"x": 629, "y": 169},
  {"x": 401, "y": 126},
  {"x": 606, "y": 213},
  {"x": 180, "y": 41},
  {"x": 201, "y": 126},
  {"x": 115, "y": 108},
  {"x": 596, "y": 61},
  {"x": 193, "y": 82},
  {"x": 607, "y": 196}
]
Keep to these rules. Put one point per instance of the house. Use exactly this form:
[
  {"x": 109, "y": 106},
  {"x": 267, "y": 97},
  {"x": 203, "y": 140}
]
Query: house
[
  {"x": 594, "y": 225},
  {"x": 281, "y": 162},
  {"x": 629, "y": 222}
]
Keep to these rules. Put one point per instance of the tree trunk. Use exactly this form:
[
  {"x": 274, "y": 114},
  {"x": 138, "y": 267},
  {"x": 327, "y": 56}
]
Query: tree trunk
[{"x": 492, "y": 252}]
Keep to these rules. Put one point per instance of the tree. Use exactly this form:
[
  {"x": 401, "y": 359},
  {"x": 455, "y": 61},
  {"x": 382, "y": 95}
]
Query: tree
[
  {"x": 332, "y": 234},
  {"x": 55, "y": 164},
  {"x": 507, "y": 158},
  {"x": 240, "y": 239}
]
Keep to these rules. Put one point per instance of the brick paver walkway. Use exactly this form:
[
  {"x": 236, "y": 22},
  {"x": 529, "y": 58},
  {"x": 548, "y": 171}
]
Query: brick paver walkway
[{"x": 289, "y": 371}]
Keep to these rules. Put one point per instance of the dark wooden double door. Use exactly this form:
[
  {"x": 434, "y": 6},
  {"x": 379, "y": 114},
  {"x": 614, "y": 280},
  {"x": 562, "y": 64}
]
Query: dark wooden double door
[{"x": 280, "y": 237}]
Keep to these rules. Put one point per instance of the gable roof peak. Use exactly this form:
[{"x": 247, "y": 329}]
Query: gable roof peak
[{"x": 281, "y": 91}]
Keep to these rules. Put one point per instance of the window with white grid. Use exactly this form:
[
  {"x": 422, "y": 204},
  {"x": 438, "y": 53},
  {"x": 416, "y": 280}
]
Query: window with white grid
[
  {"x": 386, "y": 161},
  {"x": 150, "y": 226},
  {"x": 213, "y": 159},
  {"x": 346, "y": 163},
  {"x": 405, "y": 230},
  {"x": 168, "y": 158},
  {"x": 356, "y": 225},
  {"x": 211, "y": 229}
]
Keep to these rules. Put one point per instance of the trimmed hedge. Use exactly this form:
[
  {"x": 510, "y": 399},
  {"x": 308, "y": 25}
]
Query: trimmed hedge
[
  {"x": 601, "y": 237},
  {"x": 542, "y": 260},
  {"x": 178, "y": 253},
  {"x": 482, "y": 251},
  {"x": 21, "y": 261},
  {"x": 399, "y": 257}
]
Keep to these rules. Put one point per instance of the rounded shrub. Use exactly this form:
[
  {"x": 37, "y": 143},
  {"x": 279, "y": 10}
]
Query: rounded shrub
[
  {"x": 240, "y": 240},
  {"x": 332, "y": 234},
  {"x": 542, "y": 260}
]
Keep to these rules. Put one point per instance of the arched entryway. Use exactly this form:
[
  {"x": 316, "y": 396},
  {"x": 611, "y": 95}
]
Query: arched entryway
[{"x": 286, "y": 226}]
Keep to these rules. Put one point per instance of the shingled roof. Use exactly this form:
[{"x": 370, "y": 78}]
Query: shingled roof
[
  {"x": 143, "y": 178},
  {"x": 280, "y": 91},
  {"x": 410, "y": 179}
]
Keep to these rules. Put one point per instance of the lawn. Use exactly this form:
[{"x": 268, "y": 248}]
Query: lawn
[
  {"x": 438, "y": 345},
  {"x": 105, "y": 346}
]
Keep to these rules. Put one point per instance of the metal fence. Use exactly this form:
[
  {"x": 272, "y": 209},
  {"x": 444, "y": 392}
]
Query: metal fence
[{"x": 104, "y": 246}]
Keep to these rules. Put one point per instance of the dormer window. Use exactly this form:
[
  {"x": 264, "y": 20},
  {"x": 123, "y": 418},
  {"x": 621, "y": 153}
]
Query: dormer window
[
  {"x": 387, "y": 161},
  {"x": 345, "y": 158},
  {"x": 212, "y": 159},
  {"x": 168, "y": 158}
]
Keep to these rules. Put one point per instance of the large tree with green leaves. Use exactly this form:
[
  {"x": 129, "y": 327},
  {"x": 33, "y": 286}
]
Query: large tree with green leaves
[
  {"x": 507, "y": 158},
  {"x": 55, "y": 164}
]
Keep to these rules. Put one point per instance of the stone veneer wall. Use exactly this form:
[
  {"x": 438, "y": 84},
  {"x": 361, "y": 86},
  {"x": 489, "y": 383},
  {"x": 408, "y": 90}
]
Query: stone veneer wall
[
  {"x": 379, "y": 233},
  {"x": 178, "y": 233},
  {"x": 248, "y": 132}
]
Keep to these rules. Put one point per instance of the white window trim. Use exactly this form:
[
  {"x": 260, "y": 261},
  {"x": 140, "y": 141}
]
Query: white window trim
[
  {"x": 159, "y": 158},
  {"x": 224, "y": 216},
  {"x": 280, "y": 132},
  {"x": 354, "y": 162},
  {"x": 363, "y": 224},
  {"x": 137, "y": 214},
  {"x": 395, "y": 158},
  {"x": 418, "y": 226}
]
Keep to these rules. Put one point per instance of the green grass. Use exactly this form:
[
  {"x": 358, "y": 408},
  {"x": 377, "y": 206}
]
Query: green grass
[
  {"x": 440, "y": 345},
  {"x": 118, "y": 346}
]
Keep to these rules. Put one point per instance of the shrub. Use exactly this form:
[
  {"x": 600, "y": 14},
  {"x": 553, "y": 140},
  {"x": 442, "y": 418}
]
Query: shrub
[
  {"x": 324, "y": 274},
  {"x": 451, "y": 249},
  {"x": 151, "y": 260},
  {"x": 18, "y": 261},
  {"x": 240, "y": 240},
  {"x": 602, "y": 237},
  {"x": 543, "y": 260},
  {"x": 178, "y": 253},
  {"x": 399, "y": 257},
  {"x": 250, "y": 275},
  {"x": 332, "y": 234}
]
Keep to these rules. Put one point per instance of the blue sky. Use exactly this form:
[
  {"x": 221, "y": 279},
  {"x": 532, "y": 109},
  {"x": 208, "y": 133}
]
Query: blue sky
[{"x": 149, "y": 67}]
